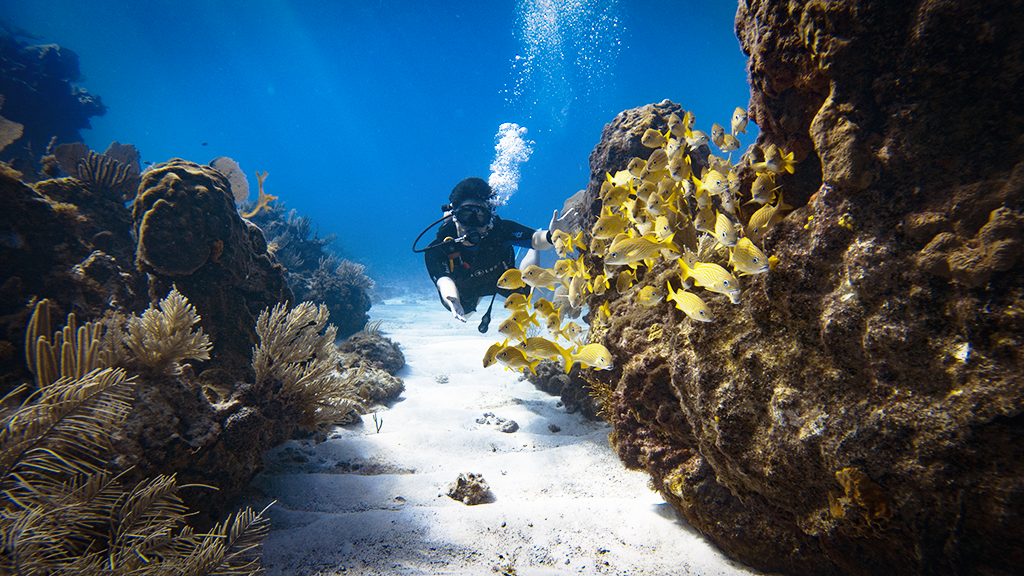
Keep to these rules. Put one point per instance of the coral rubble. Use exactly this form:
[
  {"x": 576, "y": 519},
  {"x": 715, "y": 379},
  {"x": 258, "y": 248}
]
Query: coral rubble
[{"x": 859, "y": 411}]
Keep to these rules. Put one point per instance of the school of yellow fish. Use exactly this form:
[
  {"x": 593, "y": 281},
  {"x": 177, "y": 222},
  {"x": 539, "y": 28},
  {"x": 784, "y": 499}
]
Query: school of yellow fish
[{"x": 658, "y": 209}]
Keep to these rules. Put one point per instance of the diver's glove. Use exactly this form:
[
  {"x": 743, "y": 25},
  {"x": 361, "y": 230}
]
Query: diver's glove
[
  {"x": 562, "y": 223},
  {"x": 456, "y": 307}
]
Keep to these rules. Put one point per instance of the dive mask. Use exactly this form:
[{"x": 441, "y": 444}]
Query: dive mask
[{"x": 473, "y": 216}]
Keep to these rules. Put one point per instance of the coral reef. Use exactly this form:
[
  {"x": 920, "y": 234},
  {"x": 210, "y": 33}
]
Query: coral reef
[
  {"x": 297, "y": 351},
  {"x": 571, "y": 387},
  {"x": 64, "y": 513},
  {"x": 379, "y": 350},
  {"x": 859, "y": 410},
  {"x": 190, "y": 236},
  {"x": 313, "y": 274},
  {"x": 37, "y": 84}
]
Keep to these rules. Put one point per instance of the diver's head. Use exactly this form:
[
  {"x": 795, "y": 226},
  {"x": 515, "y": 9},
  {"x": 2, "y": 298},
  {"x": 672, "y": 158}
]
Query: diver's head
[{"x": 471, "y": 207}]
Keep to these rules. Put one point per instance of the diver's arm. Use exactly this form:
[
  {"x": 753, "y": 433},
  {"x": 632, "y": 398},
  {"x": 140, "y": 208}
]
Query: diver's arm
[
  {"x": 450, "y": 292},
  {"x": 540, "y": 240}
]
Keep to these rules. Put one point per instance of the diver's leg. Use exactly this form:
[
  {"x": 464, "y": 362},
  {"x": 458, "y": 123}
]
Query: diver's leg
[{"x": 532, "y": 258}]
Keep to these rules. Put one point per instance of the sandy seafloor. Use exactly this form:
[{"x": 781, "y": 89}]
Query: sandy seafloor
[{"x": 369, "y": 502}]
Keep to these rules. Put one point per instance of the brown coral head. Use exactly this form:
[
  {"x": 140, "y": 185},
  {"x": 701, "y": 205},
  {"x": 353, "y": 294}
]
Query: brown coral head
[{"x": 182, "y": 212}]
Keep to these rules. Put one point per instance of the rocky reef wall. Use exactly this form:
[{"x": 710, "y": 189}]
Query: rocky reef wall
[{"x": 860, "y": 410}]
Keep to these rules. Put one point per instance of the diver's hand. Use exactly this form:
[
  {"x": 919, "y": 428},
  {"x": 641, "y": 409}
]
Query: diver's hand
[
  {"x": 457, "y": 310},
  {"x": 561, "y": 223}
]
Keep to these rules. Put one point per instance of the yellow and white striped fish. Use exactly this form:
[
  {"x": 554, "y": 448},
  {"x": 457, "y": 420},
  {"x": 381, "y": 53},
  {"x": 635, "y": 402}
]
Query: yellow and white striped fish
[
  {"x": 712, "y": 277},
  {"x": 537, "y": 277},
  {"x": 544, "y": 349},
  {"x": 747, "y": 258},
  {"x": 690, "y": 304},
  {"x": 514, "y": 358},
  {"x": 726, "y": 232},
  {"x": 592, "y": 355}
]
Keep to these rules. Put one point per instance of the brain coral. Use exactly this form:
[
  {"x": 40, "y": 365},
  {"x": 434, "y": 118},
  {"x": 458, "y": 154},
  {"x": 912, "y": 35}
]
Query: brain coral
[{"x": 182, "y": 217}]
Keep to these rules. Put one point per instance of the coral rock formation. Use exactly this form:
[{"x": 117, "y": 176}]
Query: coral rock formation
[
  {"x": 36, "y": 82},
  {"x": 190, "y": 236},
  {"x": 860, "y": 411}
]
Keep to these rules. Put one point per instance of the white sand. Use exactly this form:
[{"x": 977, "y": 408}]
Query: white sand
[{"x": 375, "y": 503}]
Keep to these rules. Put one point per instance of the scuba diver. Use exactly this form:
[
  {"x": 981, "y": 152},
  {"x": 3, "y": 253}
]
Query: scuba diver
[{"x": 474, "y": 247}]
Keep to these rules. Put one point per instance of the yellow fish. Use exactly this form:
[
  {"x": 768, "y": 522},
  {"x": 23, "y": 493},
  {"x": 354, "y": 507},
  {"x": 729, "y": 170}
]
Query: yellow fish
[
  {"x": 667, "y": 187},
  {"x": 653, "y": 139},
  {"x": 545, "y": 308},
  {"x": 729, "y": 143},
  {"x": 729, "y": 202},
  {"x": 562, "y": 242},
  {"x": 616, "y": 196},
  {"x": 713, "y": 182},
  {"x": 554, "y": 324},
  {"x": 765, "y": 219},
  {"x": 625, "y": 281},
  {"x": 636, "y": 167},
  {"x": 658, "y": 160},
  {"x": 725, "y": 231},
  {"x": 608, "y": 227},
  {"x": 711, "y": 277},
  {"x": 689, "y": 120},
  {"x": 690, "y": 304},
  {"x": 511, "y": 279},
  {"x": 544, "y": 349},
  {"x": 679, "y": 167},
  {"x": 599, "y": 284},
  {"x": 491, "y": 356},
  {"x": 537, "y": 277},
  {"x": 650, "y": 296},
  {"x": 676, "y": 126},
  {"x": 517, "y": 301},
  {"x": 598, "y": 246},
  {"x": 512, "y": 329},
  {"x": 656, "y": 204},
  {"x": 747, "y": 258},
  {"x": 577, "y": 241},
  {"x": 604, "y": 312},
  {"x": 739, "y": 121},
  {"x": 514, "y": 358},
  {"x": 775, "y": 161},
  {"x": 662, "y": 227},
  {"x": 638, "y": 249},
  {"x": 760, "y": 190},
  {"x": 562, "y": 267},
  {"x": 577, "y": 291},
  {"x": 697, "y": 139},
  {"x": 717, "y": 134},
  {"x": 705, "y": 220},
  {"x": 645, "y": 190},
  {"x": 572, "y": 332},
  {"x": 592, "y": 356},
  {"x": 621, "y": 178},
  {"x": 524, "y": 318}
]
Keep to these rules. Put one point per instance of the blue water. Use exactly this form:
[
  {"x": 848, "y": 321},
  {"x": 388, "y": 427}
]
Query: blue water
[{"x": 366, "y": 114}]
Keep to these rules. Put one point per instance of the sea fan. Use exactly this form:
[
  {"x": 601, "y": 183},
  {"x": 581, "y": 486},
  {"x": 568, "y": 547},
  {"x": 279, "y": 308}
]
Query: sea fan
[
  {"x": 298, "y": 350},
  {"x": 163, "y": 336}
]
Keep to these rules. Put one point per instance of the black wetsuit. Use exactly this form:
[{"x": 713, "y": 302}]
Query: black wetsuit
[{"x": 476, "y": 269}]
